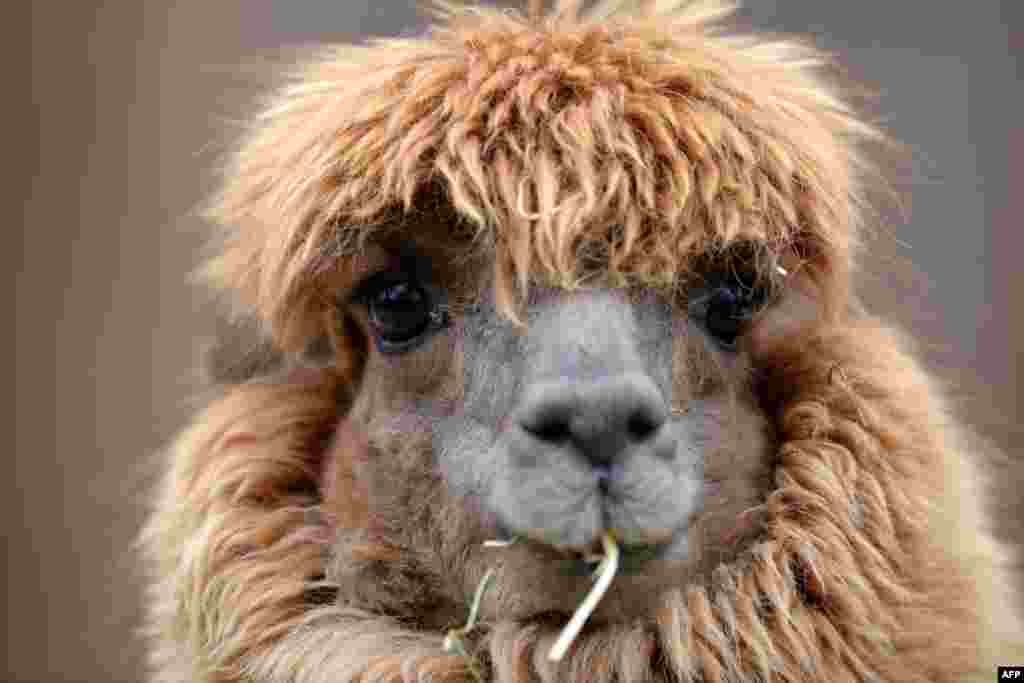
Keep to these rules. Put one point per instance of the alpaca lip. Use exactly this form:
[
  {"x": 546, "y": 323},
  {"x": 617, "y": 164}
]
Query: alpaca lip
[
  {"x": 583, "y": 561},
  {"x": 632, "y": 560}
]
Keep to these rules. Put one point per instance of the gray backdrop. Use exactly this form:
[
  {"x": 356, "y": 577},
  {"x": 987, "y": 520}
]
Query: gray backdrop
[{"x": 119, "y": 113}]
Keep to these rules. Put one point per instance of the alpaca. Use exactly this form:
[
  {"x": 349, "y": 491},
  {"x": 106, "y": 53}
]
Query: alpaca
[{"x": 562, "y": 278}]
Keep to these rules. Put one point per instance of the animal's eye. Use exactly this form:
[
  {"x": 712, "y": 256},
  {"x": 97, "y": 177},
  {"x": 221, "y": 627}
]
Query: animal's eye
[
  {"x": 401, "y": 312},
  {"x": 725, "y": 308}
]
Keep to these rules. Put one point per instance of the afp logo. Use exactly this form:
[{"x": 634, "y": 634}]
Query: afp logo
[{"x": 1011, "y": 673}]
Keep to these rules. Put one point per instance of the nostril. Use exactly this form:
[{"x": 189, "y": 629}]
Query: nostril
[
  {"x": 641, "y": 426},
  {"x": 550, "y": 428}
]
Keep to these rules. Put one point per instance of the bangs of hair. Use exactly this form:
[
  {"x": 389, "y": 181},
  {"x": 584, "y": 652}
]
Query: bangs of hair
[{"x": 617, "y": 143}]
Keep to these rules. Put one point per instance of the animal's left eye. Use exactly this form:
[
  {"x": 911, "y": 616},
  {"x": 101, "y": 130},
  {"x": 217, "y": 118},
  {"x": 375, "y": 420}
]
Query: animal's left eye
[
  {"x": 401, "y": 312},
  {"x": 724, "y": 309}
]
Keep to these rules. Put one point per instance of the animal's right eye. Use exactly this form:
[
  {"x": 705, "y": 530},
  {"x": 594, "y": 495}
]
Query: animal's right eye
[{"x": 401, "y": 311}]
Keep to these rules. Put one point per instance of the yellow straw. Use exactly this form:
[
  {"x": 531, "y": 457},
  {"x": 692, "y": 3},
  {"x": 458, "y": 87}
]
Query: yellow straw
[
  {"x": 453, "y": 639},
  {"x": 606, "y": 572}
]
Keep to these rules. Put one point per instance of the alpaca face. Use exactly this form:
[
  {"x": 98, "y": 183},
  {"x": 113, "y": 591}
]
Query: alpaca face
[{"x": 629, "y": 410}]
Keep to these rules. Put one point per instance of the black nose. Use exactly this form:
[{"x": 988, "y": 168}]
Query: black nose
[{"x": 600, "y": 418}]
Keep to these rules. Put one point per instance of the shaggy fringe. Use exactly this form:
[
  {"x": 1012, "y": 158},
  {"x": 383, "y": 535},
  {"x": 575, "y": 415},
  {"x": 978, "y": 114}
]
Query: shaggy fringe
[{"x": 633, "y": 136}]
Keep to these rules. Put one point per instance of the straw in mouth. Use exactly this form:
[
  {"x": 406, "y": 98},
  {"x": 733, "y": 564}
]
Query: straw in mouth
[
  {"x": 604, "y": 574},
  {"x": 607, "y": 567}
]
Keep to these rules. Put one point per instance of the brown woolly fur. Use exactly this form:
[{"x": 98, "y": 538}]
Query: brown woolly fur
[
  {"x": 291, "y": 541},
  {"x": 638, "y": 139}
]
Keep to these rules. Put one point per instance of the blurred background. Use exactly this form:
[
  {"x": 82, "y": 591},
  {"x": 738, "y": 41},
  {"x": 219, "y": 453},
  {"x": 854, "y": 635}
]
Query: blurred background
[{"x": 117, "y": 114}]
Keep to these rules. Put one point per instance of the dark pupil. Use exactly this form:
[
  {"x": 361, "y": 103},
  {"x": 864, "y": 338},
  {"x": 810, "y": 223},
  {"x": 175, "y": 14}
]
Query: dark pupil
[
  {"x": 399, "y": 311},
  {"x": 726, "y": 313}
]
